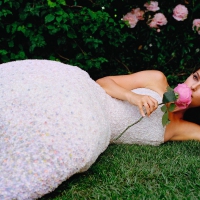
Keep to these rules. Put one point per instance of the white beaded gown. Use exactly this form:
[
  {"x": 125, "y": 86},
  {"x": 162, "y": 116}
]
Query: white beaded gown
[{"x": 55, "y": 121}]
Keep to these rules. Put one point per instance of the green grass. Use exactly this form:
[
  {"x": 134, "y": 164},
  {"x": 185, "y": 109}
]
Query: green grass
[{"x": 169, "y": 171}]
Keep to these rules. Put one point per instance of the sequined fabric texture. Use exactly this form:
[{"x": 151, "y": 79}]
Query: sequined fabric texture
[
  {"x": 53, "y": 124},
  {"x": 55, "y": 121}
]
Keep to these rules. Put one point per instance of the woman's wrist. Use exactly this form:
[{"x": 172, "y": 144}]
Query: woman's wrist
[{"x": 129, "y": 96}]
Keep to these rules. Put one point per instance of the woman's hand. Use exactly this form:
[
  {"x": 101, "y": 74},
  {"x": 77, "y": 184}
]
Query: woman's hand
[{"x": 145, "y": 103}]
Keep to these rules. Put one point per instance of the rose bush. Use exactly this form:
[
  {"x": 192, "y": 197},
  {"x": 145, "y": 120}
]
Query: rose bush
[
  {"x": 131, "y": 19},
  {"x": 196, "y": 25},
  {"x": 91, "y": 35},
  {"x": 152, "y": 6},
  {"x": 138, "y": 13},
  {"x": 180, "y": 12},
  {"x": 158, "y": 20},
  {"x": 184, "y": 96}
]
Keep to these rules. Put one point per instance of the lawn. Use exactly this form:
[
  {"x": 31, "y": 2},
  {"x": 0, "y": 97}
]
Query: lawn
[{"x": 169, "y": 171}]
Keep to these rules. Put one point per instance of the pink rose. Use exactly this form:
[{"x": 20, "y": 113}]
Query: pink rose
[
  {"x": 152, "y": 6},
  {"x": 196, "y": 25},
  {"x": 138, "y": 13},
  {"x": 131, "y": 18},
  {"x": 184, "y": 95},
  {"x": 153, "y": 24},
  {"x": 180, "y": 12},
  {"x": 158, "y": 20}
]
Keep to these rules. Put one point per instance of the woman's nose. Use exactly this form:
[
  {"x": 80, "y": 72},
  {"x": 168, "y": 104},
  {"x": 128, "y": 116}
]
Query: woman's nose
[{"x": 195, "y": 86}]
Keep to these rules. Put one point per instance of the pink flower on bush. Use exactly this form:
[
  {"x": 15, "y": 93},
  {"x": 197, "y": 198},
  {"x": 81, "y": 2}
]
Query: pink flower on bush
[
  {"x": 153, "y": 24},
  {"x": 196, "y": 25},
  {"x": 158, "y": 20},
  {"x": 152, "y": 6},
  {"x": 131, "y": 18},
  {"x": 138, "y": 13},
  {"x": 184, "y": 95},
  {"x": 180, "y": 12}
]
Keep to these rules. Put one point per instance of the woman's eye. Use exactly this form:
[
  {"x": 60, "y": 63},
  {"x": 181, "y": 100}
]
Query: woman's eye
[{"x": 195, "y": 77}]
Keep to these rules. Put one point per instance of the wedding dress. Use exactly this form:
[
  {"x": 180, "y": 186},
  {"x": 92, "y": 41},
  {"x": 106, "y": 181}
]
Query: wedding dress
[{"x": 55, "y": 121}]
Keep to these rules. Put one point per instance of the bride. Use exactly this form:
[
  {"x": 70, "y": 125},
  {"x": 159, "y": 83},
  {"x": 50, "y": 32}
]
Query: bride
[{"x": 55, "y": 121}]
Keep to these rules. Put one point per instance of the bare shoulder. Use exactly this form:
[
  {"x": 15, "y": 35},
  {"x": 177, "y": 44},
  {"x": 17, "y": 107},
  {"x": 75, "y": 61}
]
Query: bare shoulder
[
  {"x": 181, "y": 130},
  {"x": 152, "y": 79}
]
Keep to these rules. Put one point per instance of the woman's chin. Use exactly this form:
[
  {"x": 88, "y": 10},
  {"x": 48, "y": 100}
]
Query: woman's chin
[{"x": 178, "y": 109}]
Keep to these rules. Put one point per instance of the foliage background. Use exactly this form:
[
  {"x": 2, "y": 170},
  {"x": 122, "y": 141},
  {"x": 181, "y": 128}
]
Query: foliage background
[{"x": 81, "y": 33}]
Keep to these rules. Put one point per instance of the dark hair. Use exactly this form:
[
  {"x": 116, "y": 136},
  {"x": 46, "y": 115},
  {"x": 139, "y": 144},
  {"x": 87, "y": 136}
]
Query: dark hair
[{"x": 192, "y": 115}]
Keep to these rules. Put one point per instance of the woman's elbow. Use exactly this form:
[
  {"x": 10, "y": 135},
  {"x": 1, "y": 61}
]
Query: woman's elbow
[{"x": 102, "y": 81}]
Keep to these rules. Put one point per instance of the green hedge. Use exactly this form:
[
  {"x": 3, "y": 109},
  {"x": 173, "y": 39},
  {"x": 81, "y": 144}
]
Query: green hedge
[{"x": 92, "y": 35}]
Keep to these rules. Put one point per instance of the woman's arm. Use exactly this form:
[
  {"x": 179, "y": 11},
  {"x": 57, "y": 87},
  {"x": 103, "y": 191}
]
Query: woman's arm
[{"x": 120, "y": 87}]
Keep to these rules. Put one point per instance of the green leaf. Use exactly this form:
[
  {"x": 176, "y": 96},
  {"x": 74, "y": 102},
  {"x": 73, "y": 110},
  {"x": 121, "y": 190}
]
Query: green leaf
[
  {"x": 169, "y": 96},
  {"x": 21, "y": 54},
  {"x": 169, "y": 88},
  {"x": 49, "y": 18},
  {"x": 29, "y": 25},
  {"x": 62, "y": 2},
  {"x": 71, "y": 34},
  {"x": 172, "y": 107},
  {"x": 165, "y": 119},
  {"x": 59, "y": 19},
  {"x": 102, "y": 33},
  {"x": 22, "y": 29},
  {"x": 3, "y": 52},
  {"x": 51, "y": 4},
  {"x": 11, "y": 43},
  {"x": 65, "y": 27},
  {"x": 14, "y": 28},
  {"x": 196, "y": 7},
  {"x": 8, "y": 27},
  {"x": 164, "y": 108}
]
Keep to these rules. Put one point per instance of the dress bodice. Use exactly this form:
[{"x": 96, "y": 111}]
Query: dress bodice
[{"x": 122, "y": 114}]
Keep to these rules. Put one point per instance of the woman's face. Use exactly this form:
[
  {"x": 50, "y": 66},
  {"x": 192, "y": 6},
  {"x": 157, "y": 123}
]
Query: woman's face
[{"x": 193, "y": 81}]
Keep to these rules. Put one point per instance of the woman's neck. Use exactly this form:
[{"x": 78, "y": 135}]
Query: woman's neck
[{"x": 176, "y": 115}]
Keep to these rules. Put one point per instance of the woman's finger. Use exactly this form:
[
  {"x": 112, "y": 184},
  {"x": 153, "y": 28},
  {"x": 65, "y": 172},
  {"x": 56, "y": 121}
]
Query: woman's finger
[
  {"x": 147, "y": 108},
  {"x": 150, "y": 105},
  {"x": 155, "y": 102},
  {"x": 141, "y": 110}
]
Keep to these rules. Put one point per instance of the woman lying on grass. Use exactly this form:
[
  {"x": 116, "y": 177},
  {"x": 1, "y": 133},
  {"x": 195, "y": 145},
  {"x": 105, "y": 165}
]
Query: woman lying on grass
[
  {"x": 121, "y": 87},
  {"x": 55, "y": 121}
]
